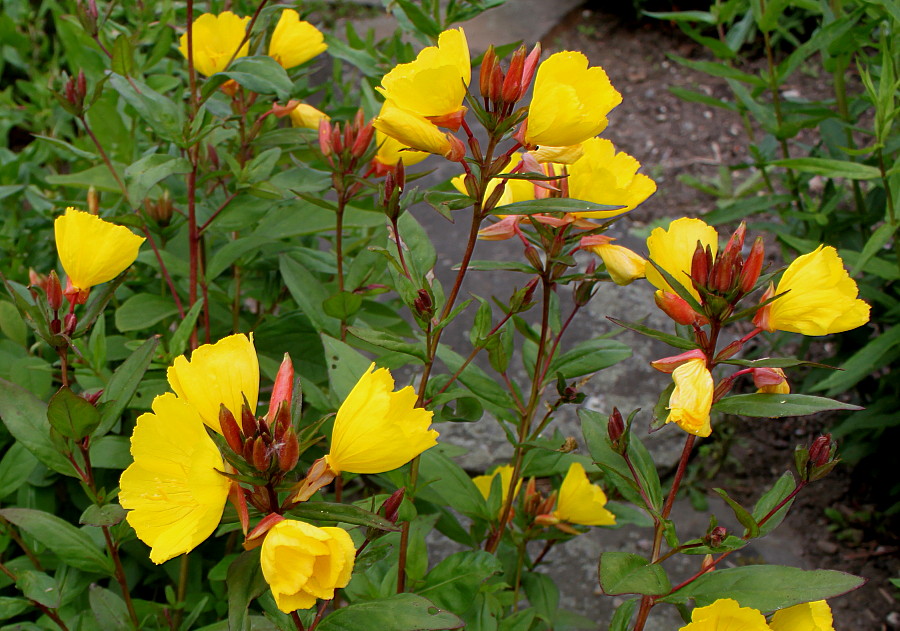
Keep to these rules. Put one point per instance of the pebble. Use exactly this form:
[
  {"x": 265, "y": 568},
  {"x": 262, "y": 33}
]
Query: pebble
[
  {"x": 828, "y": 547},
  {"x": 893, "y": 620}
]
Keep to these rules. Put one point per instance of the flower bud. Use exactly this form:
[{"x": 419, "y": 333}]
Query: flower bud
[
  {"x": 821, "y": 450},
  {"x": 230, "y": 430},
  {"x": 391, "y": 506},
  {"x": 362, "y": 141},
  {"x": 92, "y": 397},
  {"x": 615, "y": 427},
  {"x": 257, "y": 535},
  {"x": 289, "y": 452},
  {"x": 93, "y": 198},
  {"x": 509, "y": 93},
  {"x": 496, "y": 88},
  {"x": 423, "y": 304},
  {"x": 534, "y": 257},
  {"x": 71, "y": 321},
  {"x": 669, "y": 364},
  {"x": 282, "y": 390},
  {"x": 487, "y": 69},
  {"x": 528, "y": 69},
  {"x": 248, "y": 421},
  {"x": 457, "y": 149},
  {"x": 237, "y": 497},
  {"x": 708, "y": 564},
  {"x": 730, "y": 351},
  {"x": 54, "y": 291},
  {"x": 716, "y": 536},
  {"x": 736, "y": 242},
  {"x": 675, "y": 307},
  {"x": 261, "y": 456},
  {"x": 752, "y": 266},
  {"x": 700, "y": 265},
  {"x": 771, "y": 381}
]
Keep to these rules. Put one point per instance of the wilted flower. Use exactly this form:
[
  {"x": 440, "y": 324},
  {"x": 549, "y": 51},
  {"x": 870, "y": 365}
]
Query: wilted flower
[
  {"x": 173, "y": 493},
  {"x": 295, "y": 41},
  {"x": 605, "y": 177},
  {"x": 218, "y": 374},
  {"x": 821, "y": 297},
  {"x": 570, "y": 101},
  {"x": 673, "y": 250},
  {"x": 390, "y": 151},
  {"x": 724, "y": 614},
  {"x": 623, "y": 265},
  {"x": 770, "y": 381},
  {"x": 91, "y": 250},
  {"x": 581, "y": 502},
  {"x": 216, "y": 39},
  {"x": 376, "y": 429},
  {"x": 303, "y": 563},
  {"x": 691, "y": 400},
  {"x": 307, "y": 116},
  {"x": 814, "y": 616}
]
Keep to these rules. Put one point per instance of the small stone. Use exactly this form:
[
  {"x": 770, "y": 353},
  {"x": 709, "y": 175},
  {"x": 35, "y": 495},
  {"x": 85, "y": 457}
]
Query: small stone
[
  {"x": 893, "y": 620},
  {"x": 828, "y": 547}
]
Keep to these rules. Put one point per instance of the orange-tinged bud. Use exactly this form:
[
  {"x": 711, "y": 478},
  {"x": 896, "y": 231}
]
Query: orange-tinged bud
[
  {"x": 528, "y": 69},
  {"x": 761, "y": 319},
  {"x": 93, "y": 199},
  {"x": 753, "y": 265},
  {"x": 289, "y": 452},
  {"x": 821, "y": 451},
  {"x": 487, "y": 70},
  {"x": 736, "y": 242},
  {"x": 239, "y": 499},
  {"x": 451, "y": 121},
  {"x": 318, "y": 476},
  {"x": 256, "y": 536},
  {"x": 770, "y": 380},
  {"x": 71, "y": 321},
  {"x": 283, "y": 388},
  {"x": 230, "y": 430},
  {"x": 669, "y": 364},
  {"x": 248, "y": 422},
  {"x": 457, "y": 149},
  {"x": 708, "y": 565},
  {"x": 261, "y": 456},
  {"x": 53, "y": 288},
  {"x": 675, "y": 307},
  {"x": 325, "y": 137},
  {"x": 363, "y": 140},
  {"x": 509, "y": 93}
]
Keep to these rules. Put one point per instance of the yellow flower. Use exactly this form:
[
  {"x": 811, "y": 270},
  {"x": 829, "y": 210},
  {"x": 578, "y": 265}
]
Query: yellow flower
[
  {"x": 605, "y": 177},
  {"x": 515, "y": 190},
  {"x": 93, "y": 251},
  {"x": 295, "y": 41},
  {"x": 435, "y": 83},
  {"x": 307, "y": 116},
  {"x": 814, "y": 616},
  {"x": 581, "y": 502},
  {"x": 570, "y": 101},
  {"x": 821, "y": 298},
  {"x": 726, "y": 615},
  {"x": 376, "y": 429},
  {"x": 623, "y": 265},
  {"x": 691, "y": 400},
  {"x": 216, "y": 38},
  {"x": 558, "y": 155},
  {"x": 771, "y": 381},
  {"x": 302, "y": 563},
  {"x": 484, "y": 482},
  {"x": 412, "y": 130},
  {"x": 173, "y": 493},
  {"x": 673, "y": 250},
  {"x": 390, "y": 151},
  {"x": 220, "y": 373}
]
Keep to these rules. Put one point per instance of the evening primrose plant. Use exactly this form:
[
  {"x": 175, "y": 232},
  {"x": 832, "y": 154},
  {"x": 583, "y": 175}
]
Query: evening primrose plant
[{"x": 249, "y": 382}]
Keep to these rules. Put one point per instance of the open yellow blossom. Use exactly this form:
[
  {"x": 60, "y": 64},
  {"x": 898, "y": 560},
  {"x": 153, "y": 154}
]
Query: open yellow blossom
[
  {"x": 484, "y": 482},
  {"x": 570, "y": 101},
  {"x": 307, "y": 116},
  {"x": 691, "y": 400},
  {"x": 173, "y": 493},
  {"x": 821, "y": 298},
  {"x": 673, "y": 250},
  {"x": 377, "y": 429},
  {"x": 217, "y": 40},
  {"x": 93, "y": 251},
  {"x": 217, "y": 374},
  {"x": 434, "y": 84},
  {"x": 814, "y": 616},
  {"x": 295, "y": 41},
  {"x": 303, "y": 563},
  {"x": 726, "y": 615},
  {"x": 605, "y": 177},
  {"x": 390, "y": 151},
  {"x": 581, "y": 502},
  {"x": 412, "y": 130}
]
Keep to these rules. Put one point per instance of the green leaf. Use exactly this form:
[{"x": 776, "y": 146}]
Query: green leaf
[
  {"x": 874, "y": 245},
  {"x": 766, "y": 587},
  {"x": 589, "y": 357},
  {"x": 551, "y": 205},
  {"x": 16, "y": 466},
  {"x": 260, "y": 74},
  {"x": 622, "y": 617},
  {"x": 108, "y": 515},
  {"x": 671, "y": 340},
  {"x": 453, "y": 583},
  {"x": 179, "y": 340},
  {"x": 342, "y": 305},
  {"x": 626, "y": 573},
  {"x": 161, "y": 113},
  {"x": 11, "y": 323},
  {"x": 245, "y": 582},
  {"x": 861, "y": 364},
  {"x": 402, "y": 612},
  {"x": 770, "y": 499},
  {"x": 109, "y": 608},
  {"x": 142, "y": 311},
  {"x": 80, "y": 153},
  {"x": 12, "y": 607},
  {"x": 773, "y": 362},
  {"x": 331, "y": 511},
  {"x": 830, "y": 168},
  {"x": 124, "y": 383},
  {"x": 308, "y": 293},
  {"x": 703, "y": 17},
  {"x": 73, "y": 546},
  {"x": 142, "y": 175},
  {"x": 542, "y": 593},
  {"x": 39, "y": 587},
  {"x": 72, "y": 416},
  {"x": 778, "y": 405},
  {"x": 25, "y": 416},
  {"x": 387, "y": 341},
  {"x": 743, "y": 516},
  {"x": 345, "y": 366},
  {"x": 506, "y": 266},
  {"x": 123, "y": 56},
  {"x": 111, "y": 452}
]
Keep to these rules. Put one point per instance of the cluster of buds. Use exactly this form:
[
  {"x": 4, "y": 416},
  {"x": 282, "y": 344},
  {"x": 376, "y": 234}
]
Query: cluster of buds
[
  {"x": 537, "y": 507},
  {"x": 88, "y": 15},
  {"x": 817, "y": 460},
  {"x": 268, "y": 444},
  {"x": 54, "y": 293},
  {"x": 392, "y": 189},
  {"x": 159, "y": 211},
  {"x": 501, "y": 91},
  {"x": 74, "y": 93},
  {"x": 715, "y": 536},
  {"x": 345, "y": 146}
]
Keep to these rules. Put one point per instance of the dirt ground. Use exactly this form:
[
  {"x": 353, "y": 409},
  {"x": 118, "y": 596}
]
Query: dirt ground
[{"x": 672, "y": 138}]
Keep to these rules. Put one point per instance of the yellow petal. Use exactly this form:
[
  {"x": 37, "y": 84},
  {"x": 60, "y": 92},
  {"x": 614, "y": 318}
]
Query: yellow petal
[
  {"x": 172, "y": 490},
  {"x": 390, "y": 151},
  {"x": 434, "y": 84},
  {"x": 216, "y": 39},
  {"x": 623, "y": 265},
  {"x": 821, "y": 298},
  {"x": 411, "y": 130},
  {"x": 303, "y": 563},
  {"x": 378, "y": 430},
  {"x": 484, "y": 482},
  {"x": 606, "y": 177},
  {"x": 691, "y": 399},
  {"x": 220, "y": 373},
  {"x": 581, "y": 502},
  {"x": 673, "y": 250},
  {"x": 726, "y": 615},
  {"x": 295, "y": 41},
  {"x": 93, "y": 251},
  {"x": 307, "y": 116},
  {"x": 570, "y": 101},
  {"x": 814, "y": 616}
]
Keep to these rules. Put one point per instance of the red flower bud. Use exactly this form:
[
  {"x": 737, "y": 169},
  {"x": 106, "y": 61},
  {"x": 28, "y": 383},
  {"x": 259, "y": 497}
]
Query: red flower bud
[
  {"x": 753, "y": 265},
  {"x": 230, "y": 430},
  {"x": 289, "y": 452},
  {"x": 528, "y": 69},
  {"x": 509, "y": 93},
  {"x": 325, "y": 137},
  {"x": 71, "y": 322},
  {"x": 736, "y": 242},
  {"x": 261, "y": 456},
  {"x": 487, "y": 71},
  {"x": 675, "y": 307},
  {"x": 820, "y": 452},
  {"x": 616, "y": 426},
  {"x": 283, "y": 389},
  {"x": 54, "y": 291},
  {"x": 392, "y": 504},
  {"x": 248, "y": 422},
  {"x": 362, "y": 141},
  {"x": 699, "y": 265}
]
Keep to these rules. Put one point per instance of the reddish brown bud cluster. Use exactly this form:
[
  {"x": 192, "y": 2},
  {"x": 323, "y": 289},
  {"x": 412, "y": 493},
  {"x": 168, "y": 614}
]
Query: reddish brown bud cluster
[
  {"x": 618, "y": 437},
  {"x": 537, "y": 507},
  {"x": 347, "y": 143},
  {"x": 392, "y": 188},
  {"x": 817, "y": 460},
  {"x": 160, "y": 211},
  {"x": 74, "y": 93},
  {"x": 266, "y": 442},
  {"x": 501, "y": 91}
]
